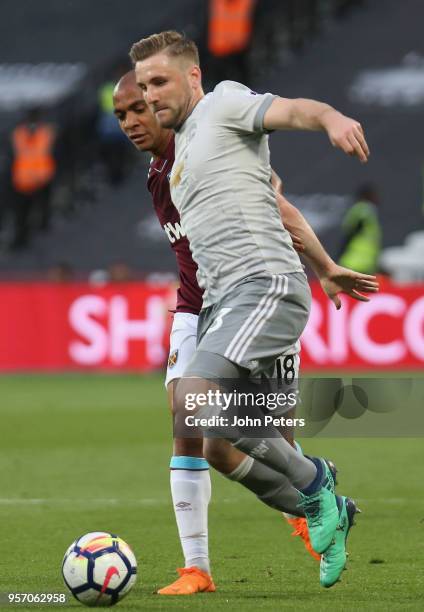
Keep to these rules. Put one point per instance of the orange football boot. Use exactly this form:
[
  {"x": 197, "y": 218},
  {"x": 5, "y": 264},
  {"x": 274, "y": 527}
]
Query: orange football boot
[
  {"x": 192, "y": 580},
  {"x": 301, "y": 529}
]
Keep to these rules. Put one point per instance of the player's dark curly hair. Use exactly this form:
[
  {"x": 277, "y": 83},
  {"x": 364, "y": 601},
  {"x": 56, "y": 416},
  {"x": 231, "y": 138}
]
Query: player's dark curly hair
[{"x": 171, "y": 42}]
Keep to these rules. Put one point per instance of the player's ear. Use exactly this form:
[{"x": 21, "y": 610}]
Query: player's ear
[{"x": 195, "y": 77}]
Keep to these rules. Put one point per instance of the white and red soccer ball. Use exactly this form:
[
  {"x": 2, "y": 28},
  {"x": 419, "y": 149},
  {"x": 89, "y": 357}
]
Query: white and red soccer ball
[{"x": 99, "y": 569}]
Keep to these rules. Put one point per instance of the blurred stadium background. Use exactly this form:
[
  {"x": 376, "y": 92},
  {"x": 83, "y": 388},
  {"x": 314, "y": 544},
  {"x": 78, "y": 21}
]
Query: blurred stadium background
[
  {"x": 96, "y": 226},
  {"x": 87, "y": 278}
]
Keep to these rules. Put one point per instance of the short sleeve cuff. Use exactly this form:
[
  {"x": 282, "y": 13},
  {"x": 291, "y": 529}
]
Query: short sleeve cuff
[{"x": 258, "y": 122}]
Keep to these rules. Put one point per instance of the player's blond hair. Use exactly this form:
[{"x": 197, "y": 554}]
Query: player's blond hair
[{"x": 171, "y": 42}]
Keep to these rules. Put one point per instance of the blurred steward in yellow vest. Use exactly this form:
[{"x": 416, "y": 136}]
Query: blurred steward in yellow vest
[{"x": 362, "y": 233}]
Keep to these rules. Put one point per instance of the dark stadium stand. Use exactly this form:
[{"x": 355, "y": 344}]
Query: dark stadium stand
[
  {"x": 391, "y": 110},
  {"x": 113, "y": 225},
  {"x": 120, "y": 226}
]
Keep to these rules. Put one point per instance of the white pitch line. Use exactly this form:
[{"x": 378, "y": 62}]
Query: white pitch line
[
  {"x": 20, "y": 501},
  {"x": 40, "y": 501},
  {"x": 382, "y": 500}
]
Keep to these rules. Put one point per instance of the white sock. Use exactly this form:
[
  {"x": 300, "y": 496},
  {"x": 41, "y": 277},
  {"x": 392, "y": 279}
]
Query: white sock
[{"x": 191, "y": 494}]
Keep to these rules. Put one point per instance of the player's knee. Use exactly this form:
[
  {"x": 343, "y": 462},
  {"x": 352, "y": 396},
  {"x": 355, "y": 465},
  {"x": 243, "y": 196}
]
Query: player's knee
[
  {"x": 188, "y": 447},
  {"x": 212, "y": 456},
  {"x": 170, "y": 389},
  {"x": 180, "y": 391},
  {"x": 186, "y": 392},
  {"x": 221, "y": 455}
]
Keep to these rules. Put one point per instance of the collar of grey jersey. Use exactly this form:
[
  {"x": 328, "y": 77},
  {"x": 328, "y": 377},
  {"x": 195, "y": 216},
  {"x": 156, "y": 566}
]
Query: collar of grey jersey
[{"x": 195, "y": 107}]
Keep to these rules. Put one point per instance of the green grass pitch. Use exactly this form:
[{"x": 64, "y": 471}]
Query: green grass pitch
[{"x": 86, "y": 453}]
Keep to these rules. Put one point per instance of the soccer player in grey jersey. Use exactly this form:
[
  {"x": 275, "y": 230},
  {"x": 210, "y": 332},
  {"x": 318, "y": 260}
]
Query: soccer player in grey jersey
[{"x": 257, "y": 299}]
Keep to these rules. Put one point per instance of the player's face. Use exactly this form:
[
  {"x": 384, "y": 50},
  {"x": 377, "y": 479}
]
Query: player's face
[
  {"x": 167, "y": 85},
  {"x": 135, "y": 117}
]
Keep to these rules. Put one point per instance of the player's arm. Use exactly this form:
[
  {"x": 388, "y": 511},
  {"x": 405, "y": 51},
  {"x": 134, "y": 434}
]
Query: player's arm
[
  {"x": 276, "y": 181},
  {"x": 302, "y": 114},
  {"x": 334, "y": 279},
  {"x": 277, "y": 184}
]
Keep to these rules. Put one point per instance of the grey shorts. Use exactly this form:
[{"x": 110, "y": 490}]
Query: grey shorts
[{"x": 258, "y": 321}]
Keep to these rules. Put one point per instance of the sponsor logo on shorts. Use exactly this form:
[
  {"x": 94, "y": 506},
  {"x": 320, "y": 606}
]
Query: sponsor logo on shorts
[{"x": 172, "y": 359}]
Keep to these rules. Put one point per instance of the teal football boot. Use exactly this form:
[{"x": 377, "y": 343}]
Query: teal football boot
[
  {"x": 321, "y": 511},
  {"x": 333, "y": 560}
]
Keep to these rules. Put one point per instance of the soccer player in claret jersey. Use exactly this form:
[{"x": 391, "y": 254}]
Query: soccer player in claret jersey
[{"x": 189, "y": 474}]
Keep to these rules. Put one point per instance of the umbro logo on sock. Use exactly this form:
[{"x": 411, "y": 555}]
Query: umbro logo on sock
[{"x": 182, "y": 505}]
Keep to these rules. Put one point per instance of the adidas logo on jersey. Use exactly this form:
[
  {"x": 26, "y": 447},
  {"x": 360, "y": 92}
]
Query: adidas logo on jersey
[{"x": 174, "y": 231}]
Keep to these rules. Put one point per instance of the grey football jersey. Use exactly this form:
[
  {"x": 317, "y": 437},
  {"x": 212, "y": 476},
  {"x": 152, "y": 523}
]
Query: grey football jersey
[{"x": 220, "y": 184}]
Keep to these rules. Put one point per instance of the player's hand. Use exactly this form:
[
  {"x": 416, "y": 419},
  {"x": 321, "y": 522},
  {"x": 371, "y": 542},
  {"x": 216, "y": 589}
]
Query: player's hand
[
  {"x": 342, "y": 280},
  {"x": 346, "y": 134}
]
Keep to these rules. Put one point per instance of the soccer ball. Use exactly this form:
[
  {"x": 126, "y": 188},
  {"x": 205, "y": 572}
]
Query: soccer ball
[{"x": 99, "y": 569}]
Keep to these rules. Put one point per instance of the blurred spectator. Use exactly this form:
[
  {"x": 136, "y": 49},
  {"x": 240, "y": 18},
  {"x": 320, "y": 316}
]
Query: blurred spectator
[
  {"x": 342, "y": 7},
  {"x": 230, "y": 26},
  {"x": 62, "y": 272},
  {"x": 113, "y": 146},
  {"x": 99, "y": 278},
  {"x": 32, "y": 170},
  {"x": 119, "y": 272},
  {"x": 362, "y": 232}
]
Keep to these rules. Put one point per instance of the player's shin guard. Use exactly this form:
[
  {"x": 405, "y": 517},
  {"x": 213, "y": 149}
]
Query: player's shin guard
[
  {"x": 191, "y": 493},
  {"x": 271, "y": 487}
]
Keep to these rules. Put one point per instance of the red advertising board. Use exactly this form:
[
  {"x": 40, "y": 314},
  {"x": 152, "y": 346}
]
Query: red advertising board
[
  {"x": 76, "y": 326},
  {"x": 385, "y": 333},
  {"x": 126, "y": 327}
]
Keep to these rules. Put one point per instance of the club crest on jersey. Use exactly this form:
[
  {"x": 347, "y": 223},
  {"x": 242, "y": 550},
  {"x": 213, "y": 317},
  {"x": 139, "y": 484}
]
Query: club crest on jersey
[
  {"x": 172, "y": 359},
  {"x": 176, "y": 173}
]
